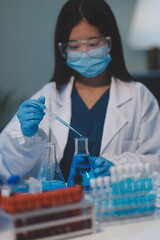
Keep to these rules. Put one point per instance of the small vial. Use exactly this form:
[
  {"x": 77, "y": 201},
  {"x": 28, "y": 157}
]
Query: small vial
[
  {"x": 140, "y": 169},
  {"x": 115, "y": 180},
  {"x": 99, "y": 181},
  {"x": 129, "y": 179},
  {"x": 17, "y": 185},
  {"x": 93, "y": 188},
  {"x": 148, "y": 177},
  {"x": 107, "y": 188},
  {"x": 107, "y": 203},
  {"x": 99, "y": 187},
  {"x": 34, "y": 185}
]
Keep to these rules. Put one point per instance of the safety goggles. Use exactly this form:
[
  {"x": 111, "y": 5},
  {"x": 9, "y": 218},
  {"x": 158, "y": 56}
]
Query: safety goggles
[{"x": 75, "y": 48}]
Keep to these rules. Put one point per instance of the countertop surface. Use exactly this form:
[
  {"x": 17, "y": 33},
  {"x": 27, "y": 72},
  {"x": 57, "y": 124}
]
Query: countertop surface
[{"x": 136, "y": 229}]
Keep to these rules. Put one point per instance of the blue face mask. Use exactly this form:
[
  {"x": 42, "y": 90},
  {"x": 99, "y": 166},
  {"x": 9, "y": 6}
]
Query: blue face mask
[{"x": 89, "y": 63}]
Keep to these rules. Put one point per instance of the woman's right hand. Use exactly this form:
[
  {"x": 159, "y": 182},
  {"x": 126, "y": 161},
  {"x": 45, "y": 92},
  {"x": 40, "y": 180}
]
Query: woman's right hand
[{"x": 30, "y": 114}]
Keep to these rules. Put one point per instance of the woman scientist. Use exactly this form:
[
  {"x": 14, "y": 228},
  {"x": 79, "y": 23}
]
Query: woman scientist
[{"x": 92, "y": 90}]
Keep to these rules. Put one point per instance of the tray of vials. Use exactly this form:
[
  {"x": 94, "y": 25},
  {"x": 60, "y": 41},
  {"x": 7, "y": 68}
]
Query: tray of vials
[
  {"x": 58, "y": 214},
  {"x": 127, "y": 193}
]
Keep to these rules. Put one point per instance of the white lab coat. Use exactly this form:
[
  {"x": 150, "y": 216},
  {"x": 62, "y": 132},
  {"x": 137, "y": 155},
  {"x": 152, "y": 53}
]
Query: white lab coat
[{"x": 130, "y": 134}]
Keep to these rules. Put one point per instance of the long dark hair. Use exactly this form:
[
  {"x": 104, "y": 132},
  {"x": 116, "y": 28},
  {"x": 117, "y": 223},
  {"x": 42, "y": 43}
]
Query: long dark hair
[{"x": 99, "y": 14}]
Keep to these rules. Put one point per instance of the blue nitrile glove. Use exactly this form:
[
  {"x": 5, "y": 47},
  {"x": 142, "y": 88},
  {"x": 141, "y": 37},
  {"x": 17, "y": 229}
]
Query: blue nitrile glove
[
  {"x": 101, "y": 166},
  {"x": 30, "y": 113},
  {"x": 83, "y": 162}
]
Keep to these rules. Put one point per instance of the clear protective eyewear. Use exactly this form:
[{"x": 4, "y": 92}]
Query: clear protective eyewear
[{"x": 74, "y": 48}]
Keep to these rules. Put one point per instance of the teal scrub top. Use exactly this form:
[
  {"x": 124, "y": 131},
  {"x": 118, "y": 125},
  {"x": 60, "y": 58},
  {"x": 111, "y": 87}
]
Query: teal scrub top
[{"x": 88, "y": 122}]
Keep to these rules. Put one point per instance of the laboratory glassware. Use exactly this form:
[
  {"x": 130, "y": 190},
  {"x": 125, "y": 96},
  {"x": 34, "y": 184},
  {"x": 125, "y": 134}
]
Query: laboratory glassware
[
  {"x": 81, "y": 159},
  {"x": 55, "y": 116},
  {"x": 50, "y": 173},
  {"x": 17, "y": 185}
]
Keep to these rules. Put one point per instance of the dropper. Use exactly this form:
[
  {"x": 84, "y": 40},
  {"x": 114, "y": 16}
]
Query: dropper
[{"x": 55, "y": 116}]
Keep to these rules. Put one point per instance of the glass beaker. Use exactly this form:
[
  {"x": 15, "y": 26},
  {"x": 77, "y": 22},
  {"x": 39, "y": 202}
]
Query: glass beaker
[
  {"x": 50, "y": 173},
  {"x": 82, "y": 160}
]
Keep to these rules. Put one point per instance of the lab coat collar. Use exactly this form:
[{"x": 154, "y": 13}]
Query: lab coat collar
[
  {"x": 61, "y": 97},
  {"x": 117, "y": 88},
  {"x": 119, "y": 92},
  {"x": 115, "y": 119},
  {"x": 61, "y": 105}
]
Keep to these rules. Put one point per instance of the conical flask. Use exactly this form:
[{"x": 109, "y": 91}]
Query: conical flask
[
  {"x": 82, "y": 160},
  {"x": 50, "y": 173}
]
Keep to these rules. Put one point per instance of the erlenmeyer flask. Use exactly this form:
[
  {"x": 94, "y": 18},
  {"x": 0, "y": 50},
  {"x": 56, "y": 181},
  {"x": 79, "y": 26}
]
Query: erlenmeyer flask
[
  {"x": 50, "y": 173},
  {"x": 82, "y": 160}
]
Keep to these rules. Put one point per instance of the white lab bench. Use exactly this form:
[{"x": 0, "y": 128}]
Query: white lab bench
[
  {"x": 136, "y": 229},
  {"x": 146, "y": 229}
]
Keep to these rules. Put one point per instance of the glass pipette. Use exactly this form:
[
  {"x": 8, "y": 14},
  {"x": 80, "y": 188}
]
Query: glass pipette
[{"x": 55, "y": 116}]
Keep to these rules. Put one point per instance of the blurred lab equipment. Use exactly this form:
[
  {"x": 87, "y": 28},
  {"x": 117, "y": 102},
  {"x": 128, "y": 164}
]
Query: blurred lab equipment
[
  {"x": 55, "y": 116},
  {"x": 82, "y": 160},
  {"x": 128, "y": 193},
  {"x": 144, "y": 31},
  {"x": 50, "y": 173},
  {"x": 17, "y": 185},
  {"x": 34, "y": 185},
  {"x": 59, "y": 214}
]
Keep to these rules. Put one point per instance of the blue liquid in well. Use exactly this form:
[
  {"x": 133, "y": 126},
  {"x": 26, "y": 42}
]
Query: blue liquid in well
[{"x": 52, "y": 185}]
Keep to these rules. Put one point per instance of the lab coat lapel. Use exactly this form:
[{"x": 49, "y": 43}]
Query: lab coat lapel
[
  {"x": 115, "y": 120},
  {"x": 62, "y": 107}
]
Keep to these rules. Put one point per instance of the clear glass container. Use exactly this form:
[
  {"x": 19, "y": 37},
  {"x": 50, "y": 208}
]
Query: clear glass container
[
  {"x": 17, "y": 185},
  {"x": 82, "y": 160},
  {"x": 50, "y": 173}
]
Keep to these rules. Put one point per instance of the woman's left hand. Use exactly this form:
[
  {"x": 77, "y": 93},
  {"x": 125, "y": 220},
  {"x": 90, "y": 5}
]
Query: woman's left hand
[{"x": 101, "y": 166}]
